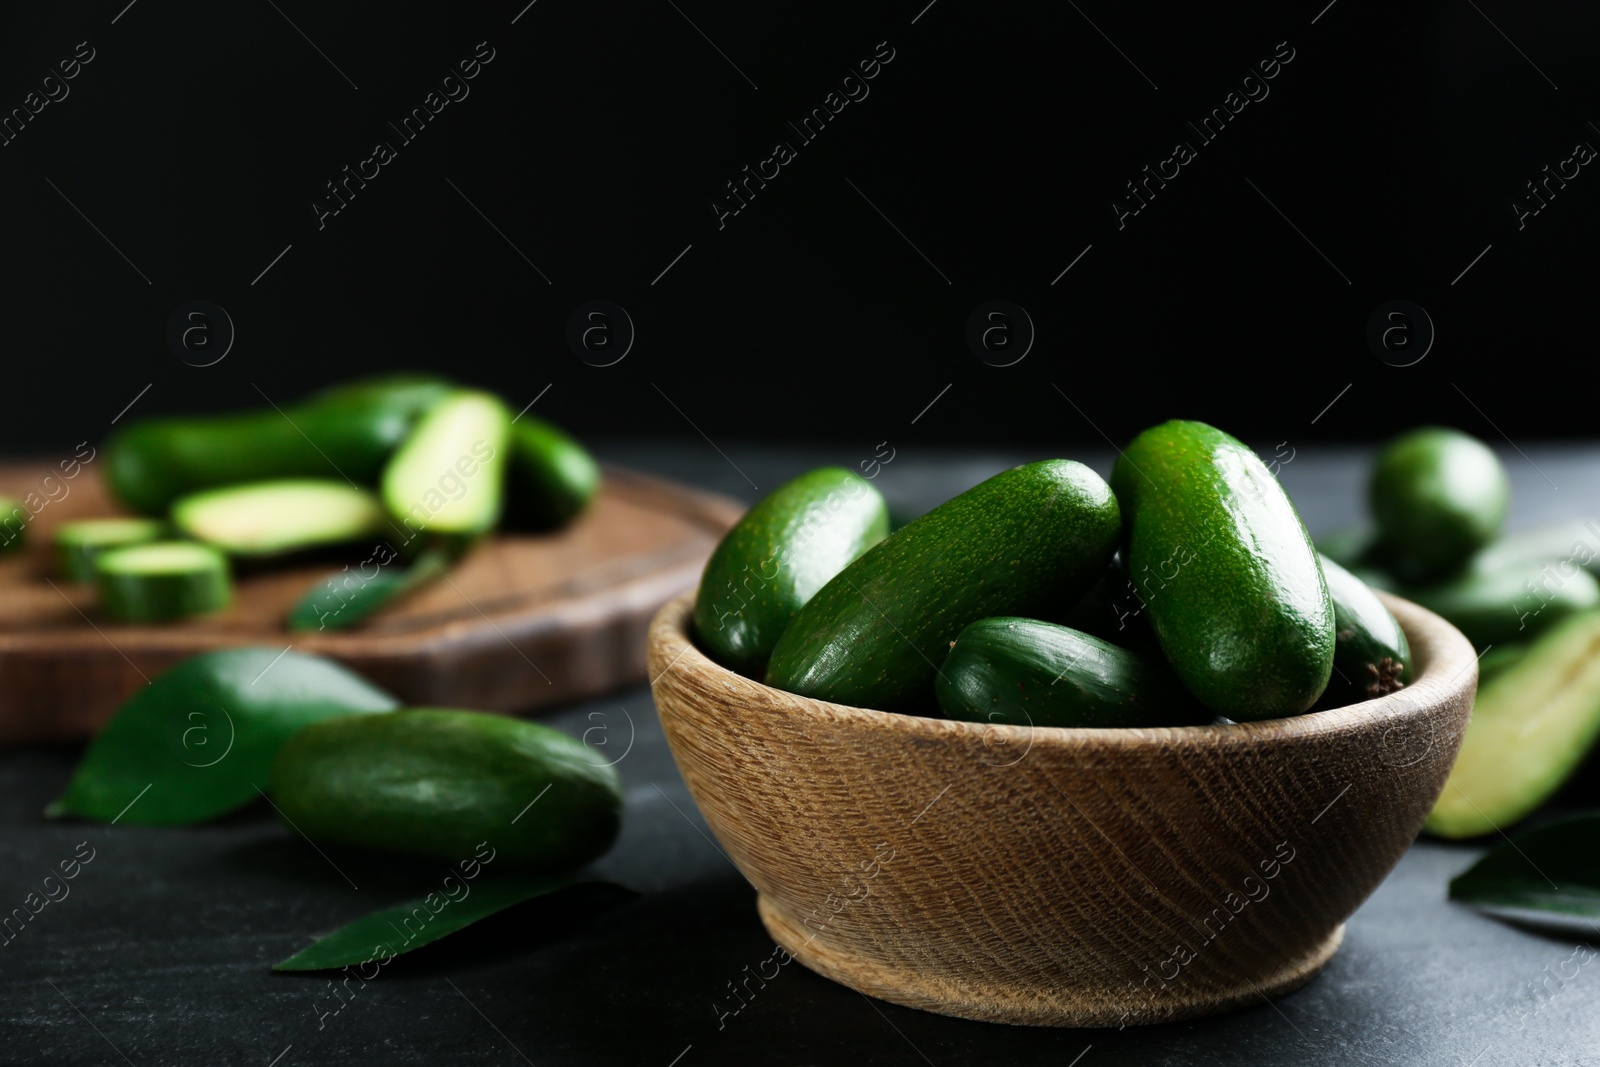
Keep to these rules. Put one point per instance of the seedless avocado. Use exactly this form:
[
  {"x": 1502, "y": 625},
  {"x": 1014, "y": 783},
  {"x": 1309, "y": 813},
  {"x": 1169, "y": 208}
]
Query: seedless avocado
[
  {"x": 1031, "y": 673},
  {"x": 784, "y": 549},
  {"x": 78, "y": 543},
  {"x": 1028, "y": 540},
  {"x": 348, "y": 431},
  {"x": 1438, "y": 495},
  {"x": 1227, "y": 573},
  {"x": 1532, "y": 723},
  {"x": 1371, "y": 656},
  {"x": 274, "y": 518},
  {"x": 447, "y": 478},
  {"x": 162, "y": 580},
  {"x": 551, "y": 478},
  {"x": 438, "y": 783}
]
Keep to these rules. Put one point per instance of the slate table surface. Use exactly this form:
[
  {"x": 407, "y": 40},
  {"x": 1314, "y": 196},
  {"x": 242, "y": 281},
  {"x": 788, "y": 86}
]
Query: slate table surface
[{"x": 161, "y": 953}]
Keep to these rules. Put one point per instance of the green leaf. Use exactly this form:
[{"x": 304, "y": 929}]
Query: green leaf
[
  {"x": 198, "y": 741},
  {"x": 393, "y": 931},
  {"x": 345, "y": 598},
  {"x": 1552, "y": 870}
]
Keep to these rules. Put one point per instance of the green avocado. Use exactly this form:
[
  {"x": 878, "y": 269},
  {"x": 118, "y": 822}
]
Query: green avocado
[
  {"x": 77, "y": 543},
  {"x": 777, "y": 556},
  {"x": 1030, "y": 538},
  {"x": 437, "y": 784},
  {"x": 447, "y": 477},
  {"x": 264, "y": 519},
  {"x": 1030, "y": 673},
  {"x": 1532, "y": 724},
  {"x": 159, "y": 581},
  {"x": 552, "y": 478},
  {"x": 1371, "y": 657},
  {"x": 1226, "y": 570},
  {"x": 345, "y": 432},
  {"x": 1437, "y": 495}
]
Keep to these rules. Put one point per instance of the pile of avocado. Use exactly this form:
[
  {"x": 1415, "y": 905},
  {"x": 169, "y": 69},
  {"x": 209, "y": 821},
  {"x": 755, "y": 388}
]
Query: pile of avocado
[
  {"x": 1528, "y": 600},
  {"x": 1185, "y": 590},
  {"x": 414, "y": 463},
  {"x": 344, "y": 764}
]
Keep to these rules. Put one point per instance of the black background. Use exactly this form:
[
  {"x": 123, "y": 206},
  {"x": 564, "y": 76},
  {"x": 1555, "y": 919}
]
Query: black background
[{"x": 1395, "y": 141}]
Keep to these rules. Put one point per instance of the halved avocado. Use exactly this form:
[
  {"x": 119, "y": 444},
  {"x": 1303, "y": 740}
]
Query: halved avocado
[
  {"x": 271, "y": 518},
  {"x": 1533, "y": 722}
]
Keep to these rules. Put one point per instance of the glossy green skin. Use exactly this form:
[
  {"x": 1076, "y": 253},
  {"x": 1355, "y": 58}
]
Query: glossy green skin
[
  {"x": 552, "y": 477},
  {"x": 129, "y": 594},
  {"x": 1227, "y": 572},
  {"x": 437, "y": 784},
  {"x": 1371, "y": 656},
  {"x": 347, "y": 431},
  {"x": 196, "y": 742},
  {"x": 1030, "y": 673},
  {"x": 786, "y": 548},
  {"x": 1438, "y": 496},
  {"x": 78, "y": 543},
  {"x": 1513, "y": 603},
  {"x": 1030, "y": 538}
]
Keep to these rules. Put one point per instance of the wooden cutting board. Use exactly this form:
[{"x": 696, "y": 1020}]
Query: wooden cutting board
[{"x": 524, "y": 621}]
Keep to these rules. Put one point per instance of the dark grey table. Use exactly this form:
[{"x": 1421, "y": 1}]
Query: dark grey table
[{"x": 161, "y": 952}]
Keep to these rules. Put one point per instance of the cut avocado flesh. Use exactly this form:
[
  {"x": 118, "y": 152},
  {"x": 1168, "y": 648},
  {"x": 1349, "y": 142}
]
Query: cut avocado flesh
[
  {"x": 268, "y": 518},
  {"x": 1532, "y": 724}
]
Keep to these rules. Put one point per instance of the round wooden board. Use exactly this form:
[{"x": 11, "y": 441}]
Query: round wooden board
[{"x": 524, "y": 621}]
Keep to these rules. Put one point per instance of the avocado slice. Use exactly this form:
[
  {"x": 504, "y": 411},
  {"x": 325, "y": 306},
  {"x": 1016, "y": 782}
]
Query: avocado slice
[{"x": 1533, "y": 722}]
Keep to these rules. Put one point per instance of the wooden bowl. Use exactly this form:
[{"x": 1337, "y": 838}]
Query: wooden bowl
[{"x": 1061, "y": 877}]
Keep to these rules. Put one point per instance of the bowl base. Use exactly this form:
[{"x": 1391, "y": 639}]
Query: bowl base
[{"x": 1035, "y": 1005}]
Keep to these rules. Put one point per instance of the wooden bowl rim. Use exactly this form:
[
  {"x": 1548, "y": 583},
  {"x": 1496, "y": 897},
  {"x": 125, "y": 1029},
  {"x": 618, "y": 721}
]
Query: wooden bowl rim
[{"x": 1448, "y": 668}]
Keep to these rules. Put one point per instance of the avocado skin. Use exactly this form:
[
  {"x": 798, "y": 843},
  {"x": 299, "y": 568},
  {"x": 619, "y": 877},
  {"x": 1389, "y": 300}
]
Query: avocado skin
[
  {"x": 784, "y": 549},
  {"x": 1437, "y": 495},
  {"x": 1032, "y": 538},
  {"x": 1371, "y": 656},
  {"x": 435, "y": 783},
  {"x": 1228, "y": 574},
  {"x": 1031, "y": 673},
  {"x": 552, "y": 478}
]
